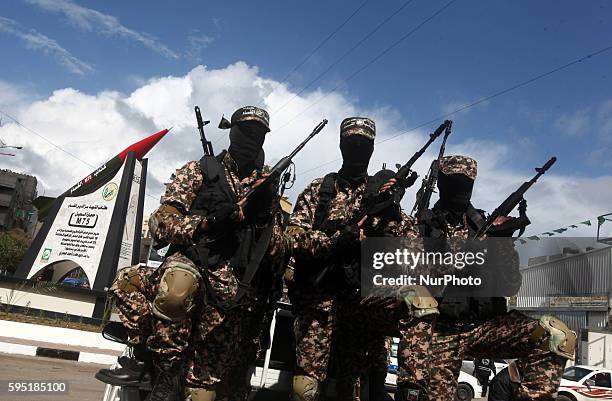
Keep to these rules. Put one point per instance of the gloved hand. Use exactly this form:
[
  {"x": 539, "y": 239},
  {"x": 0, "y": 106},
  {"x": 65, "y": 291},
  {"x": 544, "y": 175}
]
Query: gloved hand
[
  {"x": 349, "y": 236},
  {"x": 409, "y": 181},
  {"x": 224, "y": 213}
]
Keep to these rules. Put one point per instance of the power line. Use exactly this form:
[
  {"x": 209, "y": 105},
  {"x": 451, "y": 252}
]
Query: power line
[
  {"x": 319, "y": 46},
  {"x": 54, "y": 144},
  {"x": 45, "y": 139},
  {"x": 372, "y": 32},
  {"x": 481, "y": 100},
  {"x": 371, "y": 61}
]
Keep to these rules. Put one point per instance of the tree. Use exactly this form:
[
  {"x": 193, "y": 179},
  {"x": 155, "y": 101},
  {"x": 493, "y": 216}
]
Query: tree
[{"x": 13, "y": 246}]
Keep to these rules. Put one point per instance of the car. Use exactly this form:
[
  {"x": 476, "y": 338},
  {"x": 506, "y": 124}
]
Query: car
[{"x": 583, "y": 382}]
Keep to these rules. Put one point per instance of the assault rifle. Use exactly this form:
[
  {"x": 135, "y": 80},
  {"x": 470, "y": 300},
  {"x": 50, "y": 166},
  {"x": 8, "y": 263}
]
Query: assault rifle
[
  {"x": 516, "y": 198},
  {"x": 282, "y": 165},
  {"x": 429, "y": 182},
  {"x": 206, "y": 144},
  {"x": 405, "y": 178}
]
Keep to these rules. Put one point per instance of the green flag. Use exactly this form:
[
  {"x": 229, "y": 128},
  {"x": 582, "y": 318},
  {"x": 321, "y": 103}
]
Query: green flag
[
  {"x": 586, "y": 222},
  {"x": 534, "y": 238},
  {"x": 560, "y": 230}
]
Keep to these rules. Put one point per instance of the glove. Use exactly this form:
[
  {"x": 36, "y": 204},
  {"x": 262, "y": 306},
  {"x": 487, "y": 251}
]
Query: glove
[
  {"x": 349, "y": 236},
  {"x": 409, "y": 181},
  {"x": 223, "y": 214}
]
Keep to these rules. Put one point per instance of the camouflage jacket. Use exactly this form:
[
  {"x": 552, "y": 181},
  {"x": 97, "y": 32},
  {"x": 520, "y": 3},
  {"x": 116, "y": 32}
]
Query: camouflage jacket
[
  {"x": 501, "y": 255},
  {"x": 313, "y": 244},
  {"x": 175, "y": 225}
]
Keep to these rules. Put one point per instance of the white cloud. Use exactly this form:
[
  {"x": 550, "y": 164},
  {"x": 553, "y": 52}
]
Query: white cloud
[
  {"x": 37, "y": 41},
  {"x": 92, "y": 20},
  {"x": 196, "y": 42},
  {"x": 96, "y": 127},
  {"x": 577, "y": 123}
]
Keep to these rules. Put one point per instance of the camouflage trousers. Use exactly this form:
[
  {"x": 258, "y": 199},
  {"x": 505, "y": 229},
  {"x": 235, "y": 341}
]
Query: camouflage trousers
[
  {"x": 216, "y": 346},
  {"x": 361, "y": 342},
  {"x": 313, "y": 328},
  {"x": 337, "y": 324},
  {"x": 505, "y": 336},
  {"x": 133, "y": 301}
]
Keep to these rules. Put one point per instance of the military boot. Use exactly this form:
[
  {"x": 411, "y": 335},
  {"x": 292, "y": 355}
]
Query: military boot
[
  {"x": 168, "y": 383},
  {"x": 134, "y": 370},
  {"x": 376, "y": 387}
]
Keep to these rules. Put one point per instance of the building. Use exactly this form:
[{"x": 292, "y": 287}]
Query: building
[
  {"x": 17, "y": 191},
  {"x": 574, "y": 286}
]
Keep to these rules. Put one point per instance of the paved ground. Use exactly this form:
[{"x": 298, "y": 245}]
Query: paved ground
[{"x": 80, "y": 376}]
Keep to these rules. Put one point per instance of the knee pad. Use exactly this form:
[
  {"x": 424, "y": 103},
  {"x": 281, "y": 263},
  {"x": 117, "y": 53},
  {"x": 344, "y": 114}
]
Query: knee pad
[
  {"x": 561, "y": 341},
  {"x": 305, "y": 388},
  {"x": 420, "y": 302},
  {"x": 178, "y": 285},
  {"x": 199, "y": 394}
]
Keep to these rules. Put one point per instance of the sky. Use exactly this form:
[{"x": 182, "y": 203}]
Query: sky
[{"x": 92, "y": 77}]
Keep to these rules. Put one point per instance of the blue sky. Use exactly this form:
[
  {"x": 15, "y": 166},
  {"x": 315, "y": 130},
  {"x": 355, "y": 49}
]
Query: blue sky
[
  {"x": 470, "y": 50},
  {"x": 473, "y": 48}
]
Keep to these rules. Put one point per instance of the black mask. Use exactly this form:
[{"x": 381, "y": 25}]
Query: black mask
[
  {"x": 455, "y": 192},
  {"x": 356, "y": 152},
  {"x": 246, "y": 141}
]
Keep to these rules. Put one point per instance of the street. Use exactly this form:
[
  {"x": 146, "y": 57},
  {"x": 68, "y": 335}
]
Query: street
[{"x": 80, "y": 376}]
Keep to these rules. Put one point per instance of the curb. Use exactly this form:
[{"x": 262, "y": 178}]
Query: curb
[
  {"x": 78, "y": 356},
  {"x": 55, "y": 342}
]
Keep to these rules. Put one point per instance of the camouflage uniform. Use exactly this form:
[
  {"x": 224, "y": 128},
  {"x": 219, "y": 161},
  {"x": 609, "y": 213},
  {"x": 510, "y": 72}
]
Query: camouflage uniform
[
  {"x": 214, "y": 343},
  {"x": 330, "y": 315},
  {"x": 507, "y": 335},
  {"x": 132, "y": 298}
]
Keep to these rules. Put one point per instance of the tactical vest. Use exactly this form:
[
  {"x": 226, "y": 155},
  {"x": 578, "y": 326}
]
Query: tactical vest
[
  {"x": 341, "y": 270},
  {"x": 469, "y": 309},
  {"x": 215, "y": 190},
  {"x": 243, "y": 247}
]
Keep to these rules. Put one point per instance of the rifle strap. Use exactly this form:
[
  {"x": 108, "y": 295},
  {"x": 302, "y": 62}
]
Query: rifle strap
[
  {"x": 213, "y": 172},
  {"x": 474, "y": 217},
  {"x": 327, "y": 192},
  {"x": 244, "y": 285}
]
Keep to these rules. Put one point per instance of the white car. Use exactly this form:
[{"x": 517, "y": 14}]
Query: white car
[{"x": 582, "y": 383}]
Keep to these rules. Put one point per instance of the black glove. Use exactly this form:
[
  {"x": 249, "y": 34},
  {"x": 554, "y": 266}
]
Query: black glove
[
  {"x": 408, "y": 181},
  {"x": 349, "y": 236},
  {"x": 222, "y": 215}
]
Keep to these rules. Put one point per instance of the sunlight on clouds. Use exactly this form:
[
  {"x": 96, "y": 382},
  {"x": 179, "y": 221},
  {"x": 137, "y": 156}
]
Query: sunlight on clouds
[{"x": 96, "y": 127}]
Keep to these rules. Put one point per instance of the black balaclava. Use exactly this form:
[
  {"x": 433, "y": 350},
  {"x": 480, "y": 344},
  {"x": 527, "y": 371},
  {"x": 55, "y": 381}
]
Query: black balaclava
[
  {"x": 356, "y": 152},
  {"x": 455, "y": 192},
  {"x": 246, "y": 142}
]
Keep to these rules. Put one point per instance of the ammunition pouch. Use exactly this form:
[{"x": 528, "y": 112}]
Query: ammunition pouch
[
  {"x": 561, "y": 339},
  {"x": 128, "y": 280},
  {"x": 305, "y": 388},
  {"x": 178, "y": 286}
]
